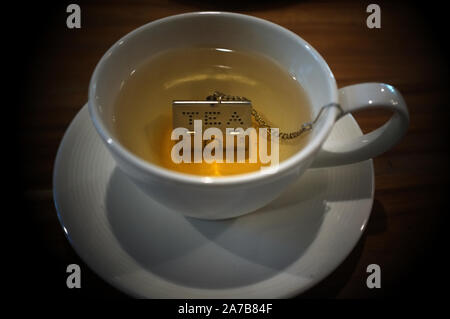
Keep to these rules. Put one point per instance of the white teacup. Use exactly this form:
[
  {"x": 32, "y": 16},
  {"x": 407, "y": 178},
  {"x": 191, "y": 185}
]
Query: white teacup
[{"x": 225, "y": 197}]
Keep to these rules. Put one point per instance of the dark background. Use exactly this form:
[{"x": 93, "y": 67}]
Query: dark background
[{"x": 47, "y": 68}]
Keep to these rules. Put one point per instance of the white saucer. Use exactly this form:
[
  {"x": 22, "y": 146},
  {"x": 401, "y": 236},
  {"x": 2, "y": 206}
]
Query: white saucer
[{"x": 149, "y": 251}]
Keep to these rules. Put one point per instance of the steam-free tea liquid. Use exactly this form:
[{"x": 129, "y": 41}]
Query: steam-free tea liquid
[{"x": 143, "y": 112}]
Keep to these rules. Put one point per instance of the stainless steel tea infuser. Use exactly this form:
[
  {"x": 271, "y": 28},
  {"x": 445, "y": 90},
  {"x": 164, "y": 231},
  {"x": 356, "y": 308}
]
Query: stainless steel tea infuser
[{"x": 227, "y": 111}]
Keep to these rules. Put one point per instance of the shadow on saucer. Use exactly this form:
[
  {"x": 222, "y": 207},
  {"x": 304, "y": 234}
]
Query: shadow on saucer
[
  {"x": 216, "y": 254},
  {"x": 275, "y": 236},
  {"x": 149, "y": 232}
]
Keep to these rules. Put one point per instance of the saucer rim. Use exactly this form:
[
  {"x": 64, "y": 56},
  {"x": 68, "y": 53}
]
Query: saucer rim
[{"x": 123, "y": 288}]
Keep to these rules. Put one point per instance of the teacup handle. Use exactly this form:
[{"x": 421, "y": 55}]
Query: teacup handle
[{"x": 367, "y": 96}]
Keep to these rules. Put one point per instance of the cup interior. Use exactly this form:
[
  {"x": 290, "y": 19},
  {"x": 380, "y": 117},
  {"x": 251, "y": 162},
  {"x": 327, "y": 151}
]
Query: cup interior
[{"x": 219, "y": 30}]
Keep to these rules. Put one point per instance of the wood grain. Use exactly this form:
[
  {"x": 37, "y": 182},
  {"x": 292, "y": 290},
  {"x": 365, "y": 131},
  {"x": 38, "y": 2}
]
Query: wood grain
[{"x": 410, "y": 179}]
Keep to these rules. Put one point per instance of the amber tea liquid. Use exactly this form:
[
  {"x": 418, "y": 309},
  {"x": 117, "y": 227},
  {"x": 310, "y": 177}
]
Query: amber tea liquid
[{"x": 143, "y": 111}]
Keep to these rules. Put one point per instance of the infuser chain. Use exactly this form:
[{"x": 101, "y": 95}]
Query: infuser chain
[{"x": 219, "y": 96}]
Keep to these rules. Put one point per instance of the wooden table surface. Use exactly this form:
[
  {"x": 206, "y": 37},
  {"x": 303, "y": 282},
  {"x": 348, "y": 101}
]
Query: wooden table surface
[{"x": 403, "y": 234}]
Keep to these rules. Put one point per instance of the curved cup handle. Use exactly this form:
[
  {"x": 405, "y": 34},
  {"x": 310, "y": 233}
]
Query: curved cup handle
[{"x": 367, "y": 96}]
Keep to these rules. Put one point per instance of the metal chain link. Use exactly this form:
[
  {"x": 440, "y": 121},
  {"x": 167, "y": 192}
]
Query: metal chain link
[{"x": 218, "y": 96}]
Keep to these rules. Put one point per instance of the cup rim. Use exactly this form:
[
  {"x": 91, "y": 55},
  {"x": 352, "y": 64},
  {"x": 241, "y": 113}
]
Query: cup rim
[{"x": 290, "y": 163}]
